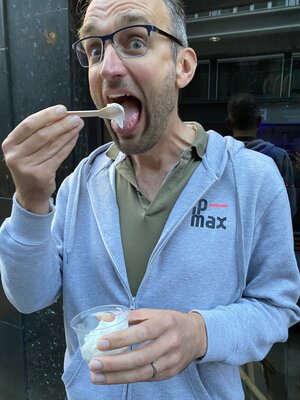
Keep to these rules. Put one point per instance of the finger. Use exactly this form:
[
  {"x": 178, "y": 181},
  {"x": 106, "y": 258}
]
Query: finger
[
  {"x": 131, "y": 359},
  {"x": 53, "y": 147},
  {"x": 137, "y": 334},
  {"x": 56, "y": 151},
  {"x": 37, "y": 121},
  {"x": 48, "y": 135},
  {"x": 163, "y": 368},
  {"x": 165, "y": 350},
  {"x": 137, "y": 316},
  {"x": 30, "y": 177},
  {"x": 165, "y": 344},
  {"x": 154, "y": 323},
  {"x": 53, "y": 163},
  {"x": 130, "y": 376}
]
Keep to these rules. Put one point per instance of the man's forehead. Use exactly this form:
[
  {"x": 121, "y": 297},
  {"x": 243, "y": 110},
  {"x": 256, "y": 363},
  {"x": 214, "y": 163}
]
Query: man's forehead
[
  {"x": 122, "y": 13},
  {"x": 129, "y": 18}
]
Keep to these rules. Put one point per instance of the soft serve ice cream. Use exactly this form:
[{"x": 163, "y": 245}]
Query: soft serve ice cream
[{"x": 108, "y": 322}]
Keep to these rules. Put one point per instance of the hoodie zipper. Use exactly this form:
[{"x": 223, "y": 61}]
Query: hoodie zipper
[
  {"x": 132, "y": 303},
  {"x": 132, "y": 306}
]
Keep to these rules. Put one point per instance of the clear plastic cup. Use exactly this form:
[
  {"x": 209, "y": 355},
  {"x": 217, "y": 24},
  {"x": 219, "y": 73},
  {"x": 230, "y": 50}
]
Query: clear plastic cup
[{"x": 92, "y": 324}]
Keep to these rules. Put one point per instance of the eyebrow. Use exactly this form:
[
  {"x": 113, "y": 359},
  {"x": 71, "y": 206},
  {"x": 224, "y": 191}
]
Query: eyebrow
[
  {"x": 86, "y": 30},
  {"x": 131, "y": 17}
]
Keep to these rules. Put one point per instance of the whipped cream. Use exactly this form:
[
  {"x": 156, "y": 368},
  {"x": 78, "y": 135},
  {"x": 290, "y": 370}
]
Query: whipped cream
[{"x": 89, "y": 348}]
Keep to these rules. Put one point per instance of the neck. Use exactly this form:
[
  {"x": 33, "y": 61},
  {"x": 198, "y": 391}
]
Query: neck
[
  {"x": 240, "y": 132},
  {"x": 152, "y": 167},
  {"x": 167, "y": 151}
]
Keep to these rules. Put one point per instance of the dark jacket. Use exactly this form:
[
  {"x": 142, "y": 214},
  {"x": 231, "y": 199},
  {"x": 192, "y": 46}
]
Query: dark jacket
[{"x": 282, "y": 160}]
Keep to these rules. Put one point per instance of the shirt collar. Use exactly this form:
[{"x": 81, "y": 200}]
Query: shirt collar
[{"x": 198, "y": 147}]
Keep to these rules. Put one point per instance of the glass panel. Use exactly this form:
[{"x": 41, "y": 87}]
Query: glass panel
[
  {"x": 278, "y": 3},
  {"x": 259, "y": 6},
  {"x": 295, "y": 85},
  {"x": 243, "y": 8},
  {"x": 226, "y": 11},
  {"x": 261, "y": 77},
  {"x": 200, "y": 14}
]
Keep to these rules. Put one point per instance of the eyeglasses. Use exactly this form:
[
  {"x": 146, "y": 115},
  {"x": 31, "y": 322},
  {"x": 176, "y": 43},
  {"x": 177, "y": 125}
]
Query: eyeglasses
[{"x": 130, "y": 42}]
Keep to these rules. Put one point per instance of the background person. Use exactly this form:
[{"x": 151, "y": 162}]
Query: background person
[
  {"x": 244, "y": 120},
  {"x": 178, "y": 224}
]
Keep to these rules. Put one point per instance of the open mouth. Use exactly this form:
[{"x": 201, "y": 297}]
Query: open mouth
[{"x": 132, "y": 107}]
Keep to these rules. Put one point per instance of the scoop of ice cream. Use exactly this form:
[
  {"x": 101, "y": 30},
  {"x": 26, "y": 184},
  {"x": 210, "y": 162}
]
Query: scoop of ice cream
[
  {"x": 109, "y": 323},
  {"x": 116, "y": 113}
]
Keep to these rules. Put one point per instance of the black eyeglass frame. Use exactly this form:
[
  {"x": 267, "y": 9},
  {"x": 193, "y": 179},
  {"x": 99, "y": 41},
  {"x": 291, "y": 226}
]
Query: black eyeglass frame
[{"x": 150, "y": 28}]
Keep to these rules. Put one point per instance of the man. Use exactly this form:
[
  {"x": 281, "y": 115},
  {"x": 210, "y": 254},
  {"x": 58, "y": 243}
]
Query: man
[
  {"x": 163, "y": 221},
  {"x": 244, "y": 120}
]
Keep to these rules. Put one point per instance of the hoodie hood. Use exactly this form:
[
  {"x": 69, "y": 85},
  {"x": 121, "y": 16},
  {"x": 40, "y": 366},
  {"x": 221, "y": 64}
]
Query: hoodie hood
[{"x": 219, "y": 151}]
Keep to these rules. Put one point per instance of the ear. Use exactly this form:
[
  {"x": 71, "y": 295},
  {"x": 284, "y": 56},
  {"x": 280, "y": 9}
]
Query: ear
[{"x": 186, "y": 64}]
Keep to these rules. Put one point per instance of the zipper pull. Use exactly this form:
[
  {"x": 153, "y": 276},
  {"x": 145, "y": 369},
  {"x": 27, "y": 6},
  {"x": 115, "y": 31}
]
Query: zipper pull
[{"x": 132, "y": 303}]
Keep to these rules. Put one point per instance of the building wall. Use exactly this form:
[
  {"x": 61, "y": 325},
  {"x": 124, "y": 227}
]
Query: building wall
[{"x": 37, "y": 70}]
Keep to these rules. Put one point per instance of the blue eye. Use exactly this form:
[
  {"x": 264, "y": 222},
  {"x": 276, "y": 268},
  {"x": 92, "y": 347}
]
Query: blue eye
[
  {"x": 132, "y": 41},
  {"x": 92, "y": 48},
  {"x": 95, "y": 52},
  {"x": 136, "y": 44}
]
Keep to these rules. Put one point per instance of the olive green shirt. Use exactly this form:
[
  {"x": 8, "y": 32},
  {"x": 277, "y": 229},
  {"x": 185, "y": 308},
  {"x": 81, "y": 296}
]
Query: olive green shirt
[{"x": 142, "y": 221}]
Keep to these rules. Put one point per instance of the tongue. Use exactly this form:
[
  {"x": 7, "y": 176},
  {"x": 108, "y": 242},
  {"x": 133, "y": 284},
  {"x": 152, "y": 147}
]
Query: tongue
[{"x": 132, "y": 115}]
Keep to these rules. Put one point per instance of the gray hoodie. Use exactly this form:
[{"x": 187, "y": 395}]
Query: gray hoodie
[{"x": 226, "y": 251}]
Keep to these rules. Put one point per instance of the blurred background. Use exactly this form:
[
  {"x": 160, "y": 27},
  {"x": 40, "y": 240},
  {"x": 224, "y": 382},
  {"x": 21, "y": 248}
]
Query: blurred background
[{"x": 242, "y": 46}]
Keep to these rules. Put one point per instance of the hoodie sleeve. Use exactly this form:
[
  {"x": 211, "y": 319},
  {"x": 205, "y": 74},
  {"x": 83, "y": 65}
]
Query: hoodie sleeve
[
  {"x": 246, "y": 330},
  {"x": 32, "y": 248},
  {"x": 29, "y": 261}
]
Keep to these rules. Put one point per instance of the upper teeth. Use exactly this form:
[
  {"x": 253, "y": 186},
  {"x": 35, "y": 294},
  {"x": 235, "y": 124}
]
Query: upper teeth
[{"x": 115, "y": 96}]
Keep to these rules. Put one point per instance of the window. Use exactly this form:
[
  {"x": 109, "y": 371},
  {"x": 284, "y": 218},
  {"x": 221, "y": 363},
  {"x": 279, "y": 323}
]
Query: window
[
  {"x": 261, "y": 76},
  {"x": 243, "y": 8},
  {"x": 279, "y": 3},
  {"x": 262, "y": 5},
  {"x": 295, "y": 76}
]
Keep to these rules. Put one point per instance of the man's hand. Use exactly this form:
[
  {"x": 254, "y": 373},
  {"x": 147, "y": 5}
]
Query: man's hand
[
  {"x": 170, "y": 340},
  {"x": 35, "y": 149}
]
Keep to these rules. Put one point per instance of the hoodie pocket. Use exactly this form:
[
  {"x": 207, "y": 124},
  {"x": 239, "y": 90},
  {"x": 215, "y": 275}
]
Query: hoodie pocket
[
  {"x": 185, "y": 386},
  {"x": 79, "y": 387},
  {"x": 73, "y": 368},
  {"x": 195, "y": 382}
]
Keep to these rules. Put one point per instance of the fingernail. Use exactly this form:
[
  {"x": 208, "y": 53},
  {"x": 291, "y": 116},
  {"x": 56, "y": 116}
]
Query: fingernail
[
  {"x": 60, "y": 110},
  {"x": 75, "y": 120},
  {"x": 98, "y": 378},
  {"x": 96, "y": 365},
  {"x": 103, "y": 344}
]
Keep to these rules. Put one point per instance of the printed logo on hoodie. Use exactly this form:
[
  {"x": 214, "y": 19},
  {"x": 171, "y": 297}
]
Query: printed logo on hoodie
[{"x": 200, "y": 219}]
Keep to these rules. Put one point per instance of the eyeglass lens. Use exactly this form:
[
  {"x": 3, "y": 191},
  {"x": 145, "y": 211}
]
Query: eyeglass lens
[{"x": 128, "y": 42}]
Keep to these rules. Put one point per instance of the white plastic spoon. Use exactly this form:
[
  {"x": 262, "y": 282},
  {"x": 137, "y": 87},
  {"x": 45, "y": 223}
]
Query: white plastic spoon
[{"x": 112, "y": 111}]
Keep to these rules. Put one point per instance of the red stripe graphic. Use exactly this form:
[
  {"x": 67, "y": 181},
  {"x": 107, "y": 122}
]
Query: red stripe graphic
[{"x": 218, "y": 205}]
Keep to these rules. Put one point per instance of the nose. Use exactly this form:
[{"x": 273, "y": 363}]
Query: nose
[{"x": 112, "y": 65}]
